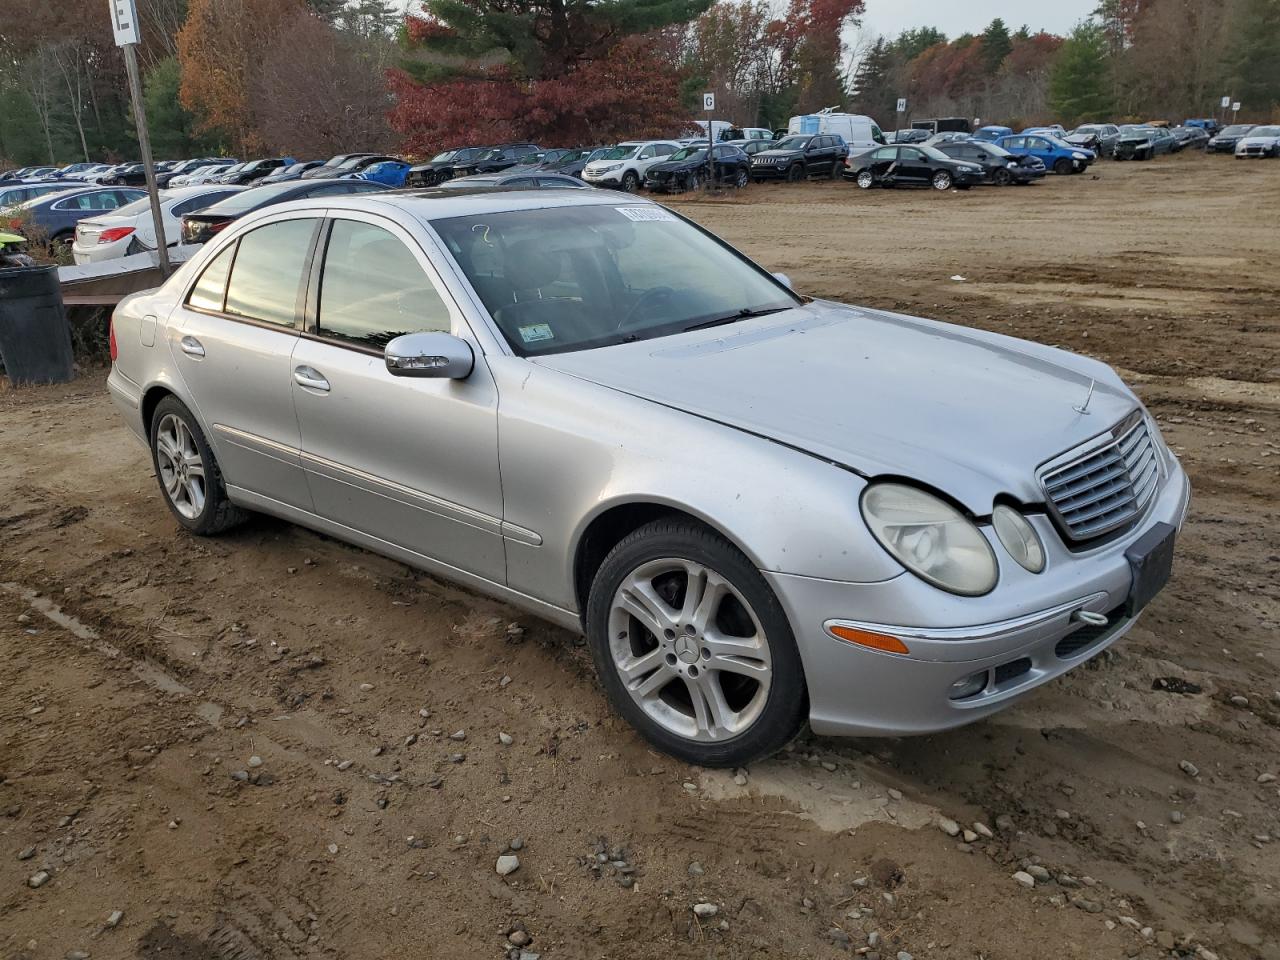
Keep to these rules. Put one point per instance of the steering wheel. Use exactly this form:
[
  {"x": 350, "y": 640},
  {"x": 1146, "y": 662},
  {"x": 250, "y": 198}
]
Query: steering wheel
[{"x": 654, "y": 294}]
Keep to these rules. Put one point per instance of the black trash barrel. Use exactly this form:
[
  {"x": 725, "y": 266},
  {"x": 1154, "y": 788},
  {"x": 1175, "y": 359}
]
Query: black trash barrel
[{"x": 35, "y": 338}]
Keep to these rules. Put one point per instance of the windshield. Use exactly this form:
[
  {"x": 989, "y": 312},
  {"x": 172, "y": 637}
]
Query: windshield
[
  {"x": 572, "y": 278},
  {"x": 1137, "y": 131},
  {"x": 619, "y": 153},
  {"x": 792, "y": 143},
  {"x": 442, "y": 157},
  {"x": 353, "y": 161},
  {"x": 1265, "y": 132},
  {"x": 571, "y": 156},
  {"x": 689, "y": 153},
  {"x": 931, "y": 151},
  {"x": 995, "y": 151},
  {"x": 1084, "y": 131},
  {"x": 1239, "y": 130}
]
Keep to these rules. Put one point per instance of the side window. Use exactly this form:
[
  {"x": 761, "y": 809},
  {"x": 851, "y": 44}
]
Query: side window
[
  {"x": 648, "y": 152},
  {"x": 906, "y": 153},
  {"x": 1036, "y": 143},
  {"x": 664, "y": 150},
  {"x": 877, "y": 135},
  {"x": 373, "y": 289},
  {"x": 211, "y": 289},
  {"x": 198, "y": 203},
  {"x": 268, "y": 272},
  {"x": 1015, "y": 143},
  {"x": 520, "y": 182}
]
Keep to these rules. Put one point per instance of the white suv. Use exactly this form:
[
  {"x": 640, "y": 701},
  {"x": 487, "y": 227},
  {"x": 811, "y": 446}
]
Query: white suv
[{"x": 626, "y": 164}]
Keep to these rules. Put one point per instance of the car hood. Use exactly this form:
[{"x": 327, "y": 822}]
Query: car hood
[
  {"x": 1259, "y": 141},
  {"x": 775, "y": 154},
  {"x": 967, "y": 412},
  {"x": 674, "y": 165}
]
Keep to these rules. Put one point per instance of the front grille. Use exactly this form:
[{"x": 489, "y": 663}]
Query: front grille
[{"x": 1107, "y": 488}]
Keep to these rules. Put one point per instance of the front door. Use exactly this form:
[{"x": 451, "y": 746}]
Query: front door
[
  {"x": 232, "y": 341},
  {"x": 412, "y": 462}
]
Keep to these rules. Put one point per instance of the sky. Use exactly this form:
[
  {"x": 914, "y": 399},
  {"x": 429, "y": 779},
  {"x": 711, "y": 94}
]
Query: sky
[{"x": 891, "y": 17}]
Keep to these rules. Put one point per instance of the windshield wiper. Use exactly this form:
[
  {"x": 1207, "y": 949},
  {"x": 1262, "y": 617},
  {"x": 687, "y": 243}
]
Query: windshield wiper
[{"x": 744, "y": 314}]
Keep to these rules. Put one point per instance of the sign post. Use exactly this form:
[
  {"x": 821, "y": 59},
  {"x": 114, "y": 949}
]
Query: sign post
[
  {"x": 902, "y": 104},
  {"x": 124, "y": 22},
  {"x": 1226, "y": 105},
  {"x": 709, "y": 105},
  {"x": 1235, "y": 111}
]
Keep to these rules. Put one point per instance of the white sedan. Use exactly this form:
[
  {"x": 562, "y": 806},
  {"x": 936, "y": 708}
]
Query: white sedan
[{"x": 131, "y": 229}]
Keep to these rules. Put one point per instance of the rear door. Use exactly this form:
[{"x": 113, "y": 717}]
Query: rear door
[
  {"x": 232, "y": 341},
  {"x": 410, "y": 462}
]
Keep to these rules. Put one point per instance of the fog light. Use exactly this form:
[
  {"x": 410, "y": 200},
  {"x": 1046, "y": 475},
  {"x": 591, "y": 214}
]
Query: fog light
[{"x": 969, "y": 686}]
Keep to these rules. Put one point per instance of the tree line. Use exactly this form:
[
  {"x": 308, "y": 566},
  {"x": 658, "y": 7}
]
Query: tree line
[{"x": 311, "y": 78}]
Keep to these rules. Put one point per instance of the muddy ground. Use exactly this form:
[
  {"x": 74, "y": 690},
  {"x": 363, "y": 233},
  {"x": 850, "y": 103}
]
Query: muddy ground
[{"x": 141, "y": 670}]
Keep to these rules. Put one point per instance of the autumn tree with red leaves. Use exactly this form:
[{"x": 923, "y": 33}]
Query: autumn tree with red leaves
[{"x": 556, "y": 71}]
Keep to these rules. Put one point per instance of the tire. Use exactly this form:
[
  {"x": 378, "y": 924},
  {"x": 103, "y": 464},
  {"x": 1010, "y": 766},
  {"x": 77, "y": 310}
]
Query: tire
[
  {"x": 760, "y": 694},
  {"x": 865, "y": 180},
  {"x": 836, "y": 166},
  {"x": 795, "y": 173},
  {"x": 1062, "y": 166},
  {"x": 942, "y": 180},
  {"x": 742, "y": 179},
  {"x": 630, "y": 181},
  {"x": 1002, "y": 177},
  {"x": 197, "y": 501}
]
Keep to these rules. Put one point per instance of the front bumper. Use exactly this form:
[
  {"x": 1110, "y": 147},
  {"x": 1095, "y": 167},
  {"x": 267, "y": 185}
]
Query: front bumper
[
  {"x": 1023, "y": 634},
  {"x": 770, "y": 171}
]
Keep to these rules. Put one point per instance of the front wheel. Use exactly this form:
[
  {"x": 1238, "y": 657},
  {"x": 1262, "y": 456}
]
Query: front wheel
[
  {"x": 1002, "y": 178},
  {"x": 693, "y": 647},
  {"x": 189, "y": 477},
  {"x": 1063, "y": 166},
  {"x": 795, "y": 173},
  {"x": 630, "y": 181},
  {"x": 942, "y": 180}
]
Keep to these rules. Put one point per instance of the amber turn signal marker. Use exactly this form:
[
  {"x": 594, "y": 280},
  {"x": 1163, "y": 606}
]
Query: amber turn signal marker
[{"x": 865, "y": 638}]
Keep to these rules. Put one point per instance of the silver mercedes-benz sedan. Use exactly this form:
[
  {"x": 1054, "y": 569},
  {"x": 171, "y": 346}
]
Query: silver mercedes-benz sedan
[{"x": 759, "y": 508}]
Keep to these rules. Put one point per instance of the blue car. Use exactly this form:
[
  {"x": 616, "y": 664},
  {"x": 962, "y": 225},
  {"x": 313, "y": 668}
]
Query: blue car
[
  {"x": 13, "y": 194},
  {"x": 392, "y": 173},
  {"x": 992, "y": 134},
  {"x": 1057, "y": 155},
  {"x": 54, "y": 217}
]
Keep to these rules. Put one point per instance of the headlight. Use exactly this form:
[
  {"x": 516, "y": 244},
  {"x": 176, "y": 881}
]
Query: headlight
[
  {"x": 1018, "y": 537},
  {"x": 1080, "y": 156},
  {"x": 609, "y": 169},
  {"x": 930, "y": 538},
  {"x": 1011, "y": 165}
]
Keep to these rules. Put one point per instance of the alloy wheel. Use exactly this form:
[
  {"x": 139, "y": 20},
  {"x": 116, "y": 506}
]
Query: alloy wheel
[
  {"x": 181, "y": 467},
  {"x": 865, "y": 180},
  {"x": 942, "y": 180},
  {"x": 689, "y": 650}
]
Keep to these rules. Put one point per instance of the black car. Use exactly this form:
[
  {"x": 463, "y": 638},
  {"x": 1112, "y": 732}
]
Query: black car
[
  {"x": 902, "y": 166},
  {"x": 127, "y": 175},
  {"x": 1227, "y": 139},
  {"x": 293, "y": 171},
  {"x": 496, "y": 159},
  {"x": 686, "y": 169},
  {"x": 256, "y": 170},
  {"x": 572, "y": 162},
  {"x": 909, "y": 136},
  {"x": 1140, "y": 142},
  {"x": 342, "y": 163},
  {"x": 800, "y": 156},
  {"x": 186, "y": 166},
  {"x": 204, "y": 224},
  {"x": 999, "y": 165},
  {"x": 442, "y": 166}
]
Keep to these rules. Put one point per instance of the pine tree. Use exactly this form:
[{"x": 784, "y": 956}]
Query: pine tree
[
  {"x": 1253, "y": 59},
  {"x": 871, "y": 90},
  {"x": 911, "y": 43},
  {"x": 1078, "y": 87},
  {"x": 329, "y": 9},
  {"x": 996, "y": 44}
]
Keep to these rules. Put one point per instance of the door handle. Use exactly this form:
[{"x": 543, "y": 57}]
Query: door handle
[
  {"x": 191, "y": 347},
  {"x": 310, "y": 378}
]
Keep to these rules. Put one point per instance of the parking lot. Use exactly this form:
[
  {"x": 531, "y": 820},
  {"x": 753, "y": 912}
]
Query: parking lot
[{"x": 271, "y": 745}]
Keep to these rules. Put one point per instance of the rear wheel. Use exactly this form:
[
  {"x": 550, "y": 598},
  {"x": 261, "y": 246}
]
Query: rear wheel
[
  {"x": 742, "y": 178},
  {"x": 866, "y": 180},
  {"x": 189, "y": 477},
  {"x": 942, "y": 180},
  {"x": 693, "y": 648}
]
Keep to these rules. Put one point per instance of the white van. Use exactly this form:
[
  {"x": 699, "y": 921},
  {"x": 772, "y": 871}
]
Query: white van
[{"x": 861, "y": 133}]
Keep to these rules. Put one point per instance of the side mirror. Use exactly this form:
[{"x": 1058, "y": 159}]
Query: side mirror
[
  {"x": 436, "y": 355},
  {"x": 783, "y": 279}
]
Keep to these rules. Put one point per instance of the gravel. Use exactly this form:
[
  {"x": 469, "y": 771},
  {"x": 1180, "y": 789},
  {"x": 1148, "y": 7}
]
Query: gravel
[
  {"x": 507, "y": 864},
  {"x": 705, "y": 910},
  {"x": 1025, "y": 879}
]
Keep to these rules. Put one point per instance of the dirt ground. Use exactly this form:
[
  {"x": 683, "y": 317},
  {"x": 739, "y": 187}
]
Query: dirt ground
[{"x": 272, "y": 746}]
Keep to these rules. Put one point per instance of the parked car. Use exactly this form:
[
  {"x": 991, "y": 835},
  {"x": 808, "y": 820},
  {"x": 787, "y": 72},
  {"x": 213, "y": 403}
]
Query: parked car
[
  {"x": 293, "y": 171},
  {"x": 734, "y": 134},
  {"x": 253, "y": 171},
  {"x": 1260, "y": 142},
  {"x": 752, "y": 147},
  {"x": 910, "y": 136},
  {"x": 342, "y": 163},
  {"x": 1226, "y": 140},
  {"x": 992, "y": 133},
  {"x": 1101, "y": 138},
  {"x": 940, "y": 124},
  {"x": 1057, "y": 155},
  {"x": 686, "y": 169},
  {"x": 1191, "y": 138},
  {"x": 1053, "y": 130},
  {"x": 940, "y": 557},
  {"x": 54, "y": 216},
  {"x": 512, "y": 180},
  {"x": 626, "y": 164},
  {"x": 208, "y": 168},
  {"x": 798, "y": 157},
  {"x": 1000, "y": 167},
  {"x": 135, "y": 174},
  {"x": 573, "y": 162},
  {"x": 131, "y": 229},
  {"x": 389, "y": 173},
  {"x": 212, "y": 174},
  {"x": 12, "y": 194},
  {"x": 947, "y": 136},
  {"x": 912, "y": 165},
  {"x": 75, "y": 171},
  {"x": 858, "y": 133},
  {"x": 1141, "y": 142},
  {"x": 202, "y": 225},
  {"x": 496, "y": 159},
  {"x": 1208, "y": 125},
  {"x": 35, "y": 174},
  {"x": 441, "y": 167},
  {"x": 165, "y": 178}
]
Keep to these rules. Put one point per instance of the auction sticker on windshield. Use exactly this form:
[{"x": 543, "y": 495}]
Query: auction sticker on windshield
[
  {"x": 647, "y": 214},
  {"x": 535, "y": 332}
]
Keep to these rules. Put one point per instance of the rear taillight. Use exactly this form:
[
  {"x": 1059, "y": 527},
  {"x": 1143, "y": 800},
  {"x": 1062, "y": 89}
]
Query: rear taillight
[
  {"x": 111, "y": 338},
  {"x": 114, "y": 234}
]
